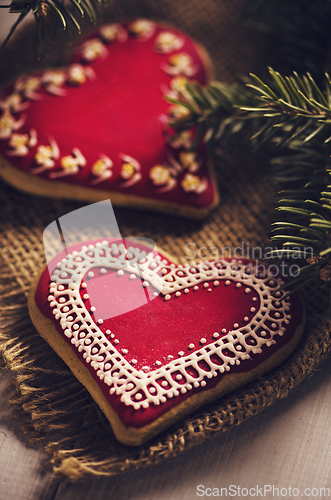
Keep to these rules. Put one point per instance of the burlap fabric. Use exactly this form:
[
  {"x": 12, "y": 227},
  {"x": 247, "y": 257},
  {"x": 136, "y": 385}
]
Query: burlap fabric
[{"x": 54, "y": 410}]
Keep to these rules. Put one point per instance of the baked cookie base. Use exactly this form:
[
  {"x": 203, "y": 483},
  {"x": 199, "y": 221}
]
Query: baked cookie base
[{"x": 137, "y": 436}]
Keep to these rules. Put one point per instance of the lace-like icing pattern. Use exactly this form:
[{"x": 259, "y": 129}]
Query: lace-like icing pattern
[{"x": 135, "y": 387}]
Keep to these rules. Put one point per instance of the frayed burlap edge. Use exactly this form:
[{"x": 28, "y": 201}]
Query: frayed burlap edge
[{"x": 74, "y": 432}]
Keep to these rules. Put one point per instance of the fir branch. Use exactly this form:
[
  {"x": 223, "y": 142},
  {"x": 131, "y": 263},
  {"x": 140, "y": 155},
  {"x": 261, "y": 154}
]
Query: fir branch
[
  {"x": 294, "y": 105},
  {"x": 62, "y": 15}
]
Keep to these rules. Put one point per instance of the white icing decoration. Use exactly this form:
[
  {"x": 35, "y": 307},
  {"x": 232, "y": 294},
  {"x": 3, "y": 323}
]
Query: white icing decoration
[{"x": 124, "y": 379}]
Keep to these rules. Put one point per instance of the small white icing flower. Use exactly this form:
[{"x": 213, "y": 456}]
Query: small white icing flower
[
  {"x": 8, "y": 125},
  {"x": 193, "y": 183},
  {"x": 179, "y": 112},
  {"x": 13, "y": 103},
  {"x": 78, "y": 74},
  {"x": 111, "y": 32},
  {"x": 142, "y": 29},
  {"x": 177, "y": 88},
  {"x": 162, "y": 176},
  {"x": 53, "y": 80},
  {"x": 167, "y": 42},
  {"x": 28, "y": 86},
  {"x": 180, "y": 64},
  {"x": 70, "y": 164},
  {"x": 130, "y": 170},
  {"x": 92, "y": 50},
  {"x": 101, "y": 169},
  {"x": 21, "y": 143},
  {"x": 46, "y": 156},
  {"x": 183, "y": 139},
  {"x": 189, "y": 161}
]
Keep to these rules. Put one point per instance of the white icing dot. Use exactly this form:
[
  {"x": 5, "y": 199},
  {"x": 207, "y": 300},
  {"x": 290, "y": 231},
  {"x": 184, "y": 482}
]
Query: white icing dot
[
  {"x": 124, "y": 351},
  {"x": 107, "y": 366},
  {"x": 228, "y": 282},
  {"x": 246, "y": 318},
  {"x": 63, "y": 275},
  {"x": 76, "y": 327},
  {"x": 86, "y": 296},
  {"x": 203, "y": 340},
  {"x": 164, "y": 383},
  {"x": 223, "y": 330},
  {"x": 164, "y": 271},
  {"x": 183, "y": 390},
  {"x": 180, "y": 273},
  {"x": 88, "y": 341},
  {"x": 238, "y": 285},
  {"x": 132, "y": 276},
  {"x": 65, "y": 309},
  {"x": 203, "y": 383},
  {"x": 70, "y": 318},
  {"x": 205, "y": 285},
  {"x": 170, "y": 357},
  {"x": 167, "y": 297},
  {"x": 216, "y": 283},
  {"x": 108, "y": 332},
  {"x": 155, "y": 294},
  {"x": 273, "y": 325},
  {"x": 196, "y": 384},
  {"x": 145, "y": 284},
  {"x": 216, "y": 335},
  {"x": 112, "y": 335},
  {"x": 95, "y": 350},
  {"x": 130, "y": 386},
  {"x": 52, "y": 304},
  {"x": 93, "y": 309},
  {"x": 247, "y": 290},
  {"x": 163, "y": 399},
  {"x": 83, "y": 285},
  {"x": 62, "y": 300},
  {"x": 236, "y": 325},
  {"x": 181, "y": 353},
  {"x": 90, "y": 274},
  {"x": 186, "y": 290},
  {"x": 209, "y": 290},
  {"x": 60, "y": 287},
  {"x": 191, "y": 346},
  {"x": 116, "y": 341},
  {"x": 178, "y": 294},
  {"x": 134, "y": 361},
  {"x": 277, "y": 315},
  {"x": 152, "y": 390},
  {"x": 263, "y": 333},
  {"x": 103, "y": 270},
  {"x": 138, "y": 396},
  {"x": 196, "y": 288},
  {"x": 254, "y": 299},
  {"x": 239, "y": 347},
  {"x": 252, "y": 309},
  {"x": 158, "y": 363},
  {"x": 179, "y": 376}
]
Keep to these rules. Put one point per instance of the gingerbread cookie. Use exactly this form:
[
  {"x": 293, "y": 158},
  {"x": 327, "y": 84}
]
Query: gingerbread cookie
[
  {"x": 96, "y": 129},
  {"x": 152, "y": 340}
]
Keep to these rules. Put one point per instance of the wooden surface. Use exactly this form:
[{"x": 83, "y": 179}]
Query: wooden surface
[{"x": 288, "y": 445}]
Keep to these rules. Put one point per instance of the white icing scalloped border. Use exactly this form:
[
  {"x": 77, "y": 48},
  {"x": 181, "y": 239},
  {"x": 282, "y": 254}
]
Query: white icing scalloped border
[{"x": 135, "y": 387}]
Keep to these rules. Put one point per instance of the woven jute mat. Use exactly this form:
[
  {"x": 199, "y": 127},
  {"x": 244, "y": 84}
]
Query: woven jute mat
[{"x": 53, "y": 409}]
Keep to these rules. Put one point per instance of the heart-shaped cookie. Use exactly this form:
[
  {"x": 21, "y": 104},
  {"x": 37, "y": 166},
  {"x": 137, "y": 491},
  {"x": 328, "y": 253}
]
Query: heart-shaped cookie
[
  {"x": 152, "y": 340},
  {"x": 96, "y": 129}
]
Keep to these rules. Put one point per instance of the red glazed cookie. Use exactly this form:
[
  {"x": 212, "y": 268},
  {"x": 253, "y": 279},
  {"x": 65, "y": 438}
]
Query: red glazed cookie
[
  {"x": 96, "y": 129},
  {"x": 152, "y": 340}
]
